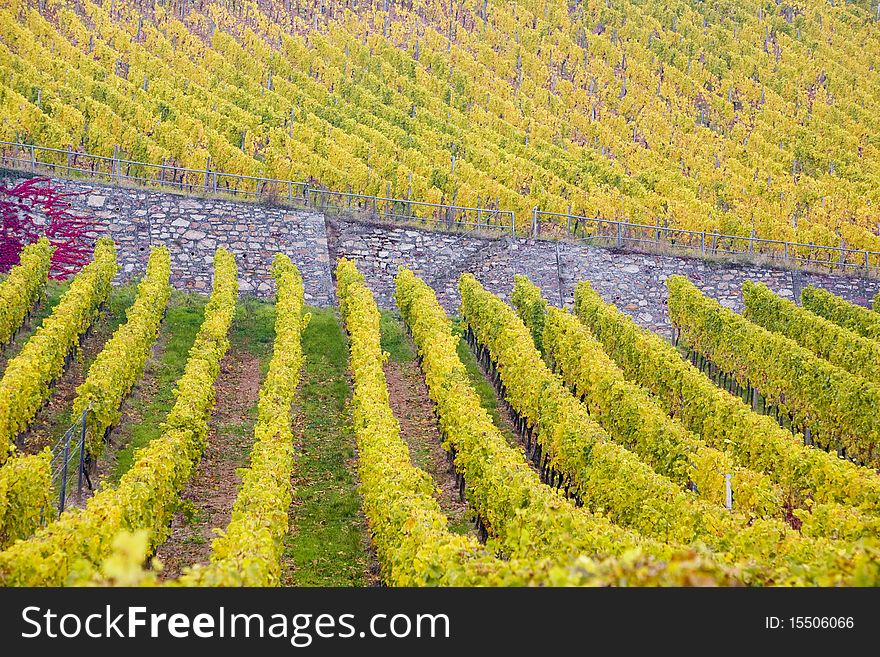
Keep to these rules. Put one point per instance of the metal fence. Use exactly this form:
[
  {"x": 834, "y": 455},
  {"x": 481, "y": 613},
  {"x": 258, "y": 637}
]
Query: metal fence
[
  {"x": 544, "y": 225},
  {"x": 621, "y": 234},
  {"x": 70, "y": 464},
  {"x": 208, "y": 182}
]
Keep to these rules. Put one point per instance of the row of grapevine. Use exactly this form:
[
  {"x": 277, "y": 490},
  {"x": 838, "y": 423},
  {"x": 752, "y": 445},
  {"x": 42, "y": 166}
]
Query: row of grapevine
[
  {"x": 525, "y": 517},
  {"x": 147, "y": 495},
  {"x": 858, "y": 355},
  {"x": 29, "y": 376},
  {"x": 603, "y": 474},
  {"x": 25, "y": 488},
  {"x": 25, "y": 480},
  {"x": 249, "y": 552},
  {"x": 22, "y": 288},
  {"x": 409, "y": 530},
  {"x": 721, "y": 419},
  {"x": 633, "y": 419},
  {"x": 639, "y": 422},
  {"x": 859, "y": 320},
  {"x": 121, "y": 361},
  {"x": 842, "y": 407},
  {"x": 607, "y": 476}
]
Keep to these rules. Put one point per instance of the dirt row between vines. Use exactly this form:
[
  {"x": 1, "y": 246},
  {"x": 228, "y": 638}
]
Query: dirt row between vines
[
  {"x": 414, "y": 410},
  {"x": 208, "y": 497}
]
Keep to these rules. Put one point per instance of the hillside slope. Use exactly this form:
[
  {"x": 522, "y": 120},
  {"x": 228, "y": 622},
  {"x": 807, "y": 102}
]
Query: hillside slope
[{"x": 731, "y": 116}]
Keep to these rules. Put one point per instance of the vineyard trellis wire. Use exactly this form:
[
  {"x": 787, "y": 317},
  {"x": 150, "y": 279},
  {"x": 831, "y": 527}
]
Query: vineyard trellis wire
[{"x": 544, "y": 225}]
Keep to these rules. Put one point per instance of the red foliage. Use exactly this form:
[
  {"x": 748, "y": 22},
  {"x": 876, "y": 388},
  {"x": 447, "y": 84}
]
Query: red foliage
[{"x": 34, "y": 208}]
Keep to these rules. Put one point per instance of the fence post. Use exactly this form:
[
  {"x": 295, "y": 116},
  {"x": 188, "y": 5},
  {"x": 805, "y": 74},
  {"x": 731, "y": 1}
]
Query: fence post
[
  {"x": 33, "y": 159},
  {"x": 535, "y": 222},
  {"x": 619, "y": 235},
  {"x": 479, "y": 217},
  {"x": 513, "y": 227},
  {"x": 63, "y": 492},
  {"x": 703, "y": 243},
  {"x": 68, "y": 159},
  {"x": 82, "y": 452},
  {"x": 751, "y": 240},
  {"x": 568, "y": 221},
  {"x": 785, "y": 256},
  {"x": 867, "y": 268},
  {"x": 728, "y": 493},
  {"x": 842, "y": 263},
  {"x": 207, "y": 171}
]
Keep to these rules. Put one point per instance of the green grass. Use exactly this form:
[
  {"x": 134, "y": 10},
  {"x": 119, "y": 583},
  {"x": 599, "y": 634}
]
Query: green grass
[
  {"x": 327, "y": 542},
  {"x": 253, "y": 328},
  {"x": 487, "y": 394},
  {"x": 178, "y": 332},
  {"x": 253, "y": 331},
  {"x": 394, "y": 339}
]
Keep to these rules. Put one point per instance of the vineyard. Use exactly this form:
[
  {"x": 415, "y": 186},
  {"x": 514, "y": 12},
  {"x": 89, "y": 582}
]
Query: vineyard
[
  {"x": 161, "y": 431},
  {"x": 515, "y": 445},
  {"x": 752, "y": 119}
]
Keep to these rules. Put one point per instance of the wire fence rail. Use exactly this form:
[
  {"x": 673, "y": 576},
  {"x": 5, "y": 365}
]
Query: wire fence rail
[
  {"x": 544, "y": 225},
  {"x": 622, "y": 234},
  {"x": 208, "y": 182}
]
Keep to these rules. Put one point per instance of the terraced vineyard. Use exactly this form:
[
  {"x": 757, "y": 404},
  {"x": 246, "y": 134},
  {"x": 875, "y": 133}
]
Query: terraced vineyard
[
  {"x": 744, "y": 118},
  {"x": 160, "y": 438},
  {"x": 515, "y": 446}
]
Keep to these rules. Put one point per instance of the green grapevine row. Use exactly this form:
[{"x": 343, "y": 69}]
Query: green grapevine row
[
  {"x": 839, "y": 346},
  {"x": 639, "y": 422},
  {"x": 607, "y": 476},
  {"x": 29, "y": 376},
  {"x": 25, "y": 480},
  {"x": 721, "y": 419},
  {"x": 121, "y": 362},
  {"x": 147, "y": 495},
  {"x": 249, "y": 552},
  {"x": 409, "y": 531},
  {"x": 603, "y": 474},
  {"x": 818, "y": 394},
  {"x": 21, "y": 289},
  {"x": 25, "y": 486},
  {"x": 635, "y": 420},
  {"x": 860, "y": 320},
  {"x": 531, "y": 307},
  {"x": 526, "y": 517}
]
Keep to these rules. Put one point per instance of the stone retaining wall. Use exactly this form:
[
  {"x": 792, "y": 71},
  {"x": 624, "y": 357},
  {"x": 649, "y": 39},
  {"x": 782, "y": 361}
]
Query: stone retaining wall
[
  {"x": 193, "y": 227},
  {"x": 632, "y": 281}
]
